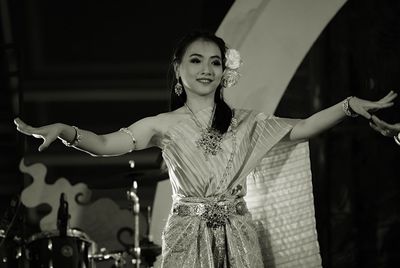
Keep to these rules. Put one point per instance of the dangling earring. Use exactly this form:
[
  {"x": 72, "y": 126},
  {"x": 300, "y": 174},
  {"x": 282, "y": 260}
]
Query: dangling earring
[{"x": 178, "y": 88}]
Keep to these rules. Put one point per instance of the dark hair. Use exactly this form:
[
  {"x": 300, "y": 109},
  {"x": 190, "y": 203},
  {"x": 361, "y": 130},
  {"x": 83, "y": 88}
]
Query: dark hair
[{"x": 223, "y": 113}]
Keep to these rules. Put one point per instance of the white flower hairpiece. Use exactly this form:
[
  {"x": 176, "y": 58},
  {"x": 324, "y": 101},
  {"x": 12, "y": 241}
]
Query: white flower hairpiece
[
  {"x": 233, "y": 60},
  {"x": 231, "y": 74}
]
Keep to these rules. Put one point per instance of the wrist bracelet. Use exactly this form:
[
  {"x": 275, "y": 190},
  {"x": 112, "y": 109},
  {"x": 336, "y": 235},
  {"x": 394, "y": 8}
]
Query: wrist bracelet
[
  {"x": 76, "y": 140},
  {"x": 347, "y": 109},
  {"x": 127, "y": 131},
  {"x": 397, "y": 138}
]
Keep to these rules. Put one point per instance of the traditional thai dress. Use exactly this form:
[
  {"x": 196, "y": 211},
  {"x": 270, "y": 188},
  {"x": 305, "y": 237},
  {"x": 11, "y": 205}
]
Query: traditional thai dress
[{"x": 210, "y": 224}]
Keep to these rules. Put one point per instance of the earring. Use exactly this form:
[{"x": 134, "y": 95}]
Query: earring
[{"x": 178, "y": 88}]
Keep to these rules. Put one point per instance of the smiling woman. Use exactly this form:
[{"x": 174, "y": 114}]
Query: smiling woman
[
  {"x": 198, "y": 63},
  {"x": 210, "y": 149}
]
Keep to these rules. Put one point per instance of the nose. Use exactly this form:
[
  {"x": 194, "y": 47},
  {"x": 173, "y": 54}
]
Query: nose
[{"x": 207, "y": 69}]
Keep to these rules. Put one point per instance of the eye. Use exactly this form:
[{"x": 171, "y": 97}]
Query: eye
[
  {"x": 194, "y": 60},
  {"x": 216, "y": 63}
]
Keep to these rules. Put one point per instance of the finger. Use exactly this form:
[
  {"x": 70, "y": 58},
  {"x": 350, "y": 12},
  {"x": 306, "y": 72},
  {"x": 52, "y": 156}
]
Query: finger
[
  {"x": 48, "y": 140},
  {"x": 380, "y": 123},
  {"x": 393, "y": 128},
  {"x": 28, "y": 130},
  {"x": 24, "y": 130},
  {"x": 375, "y": 119},
  {"x": 374, "y": 127},
  {"x": 44, "y": 145},
  {"x": 21, "y": 126},
  {"x": 18, "y": 122},
  {"x": 389, "y": 97},
  {"x": 384, "y": 132},
  {"x": 384, "y": 104},
  {"x": 378, "y": 106}
]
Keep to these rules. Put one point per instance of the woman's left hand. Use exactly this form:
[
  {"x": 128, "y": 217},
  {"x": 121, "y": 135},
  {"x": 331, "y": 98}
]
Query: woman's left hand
[{"x": 364, "y": 107}]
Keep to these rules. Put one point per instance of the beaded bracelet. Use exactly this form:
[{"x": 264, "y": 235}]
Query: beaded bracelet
[
  {"x": 77, "y": 139},
  {"x": 127, "y": 131},
  {"x": 347, "y": 109}
]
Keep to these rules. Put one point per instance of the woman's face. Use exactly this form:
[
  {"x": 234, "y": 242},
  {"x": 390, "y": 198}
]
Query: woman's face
[{"x": 201, "y": 68}]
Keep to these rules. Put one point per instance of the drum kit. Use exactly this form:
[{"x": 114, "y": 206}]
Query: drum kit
[{"x": 72, "y": 248}]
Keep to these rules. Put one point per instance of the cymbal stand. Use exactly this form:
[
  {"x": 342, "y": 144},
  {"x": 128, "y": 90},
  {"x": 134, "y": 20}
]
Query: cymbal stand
[{"x": 133, "y": 197}]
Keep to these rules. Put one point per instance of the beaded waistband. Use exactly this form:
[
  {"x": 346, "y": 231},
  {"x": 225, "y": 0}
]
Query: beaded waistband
[{"x": 214, "y": 213}]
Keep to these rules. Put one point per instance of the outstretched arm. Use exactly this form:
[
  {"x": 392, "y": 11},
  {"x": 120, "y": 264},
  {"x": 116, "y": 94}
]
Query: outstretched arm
[
  {"x": 325, "y": 119},
  {"x": 112, "y": 144}
]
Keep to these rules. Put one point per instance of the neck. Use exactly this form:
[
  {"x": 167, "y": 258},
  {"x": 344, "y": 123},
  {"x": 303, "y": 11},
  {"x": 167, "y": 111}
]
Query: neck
[{"x": 200, "y": 103}]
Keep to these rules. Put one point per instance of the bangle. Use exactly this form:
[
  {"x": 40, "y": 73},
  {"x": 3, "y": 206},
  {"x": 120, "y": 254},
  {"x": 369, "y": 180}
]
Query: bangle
[
  {"x": 76, "y": 140},
  {"x": 127, "y": 131},
  {"x": 347, "y": 109},
  {"x": 397, "y": 138}
]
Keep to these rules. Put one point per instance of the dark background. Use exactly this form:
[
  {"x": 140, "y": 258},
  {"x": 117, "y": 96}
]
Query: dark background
[{"x": 102, "y": 65}]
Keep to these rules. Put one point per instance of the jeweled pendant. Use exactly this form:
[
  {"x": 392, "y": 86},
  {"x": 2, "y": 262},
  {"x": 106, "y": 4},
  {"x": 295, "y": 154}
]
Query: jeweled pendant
[{"x": 210, "y": 141}]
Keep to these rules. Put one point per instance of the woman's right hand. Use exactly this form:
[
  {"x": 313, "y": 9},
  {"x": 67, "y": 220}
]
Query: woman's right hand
[{"x": 48, "y": 133}]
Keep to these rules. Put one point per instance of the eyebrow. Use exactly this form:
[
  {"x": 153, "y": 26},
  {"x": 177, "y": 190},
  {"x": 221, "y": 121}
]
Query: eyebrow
[{"x": 201, "y": 56}]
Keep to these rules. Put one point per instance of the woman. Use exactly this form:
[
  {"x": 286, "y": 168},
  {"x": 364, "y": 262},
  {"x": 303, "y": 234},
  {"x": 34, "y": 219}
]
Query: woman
[{"x": 209, "y": 149}]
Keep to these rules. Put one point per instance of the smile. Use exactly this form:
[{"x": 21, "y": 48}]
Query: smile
[{"x": 204, "y": 80}]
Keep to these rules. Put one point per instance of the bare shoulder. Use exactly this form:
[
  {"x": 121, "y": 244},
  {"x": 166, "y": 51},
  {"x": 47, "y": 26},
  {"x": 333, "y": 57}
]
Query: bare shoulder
[{"x": 164, "y": 121}]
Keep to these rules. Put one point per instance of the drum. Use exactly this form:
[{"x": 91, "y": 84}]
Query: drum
[
  {"x": 10, "y": 254},
  {"x": 50, "y": 250}
]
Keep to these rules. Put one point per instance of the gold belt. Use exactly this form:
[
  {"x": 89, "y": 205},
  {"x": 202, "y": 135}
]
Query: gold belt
[{"x": 214, "y": 213}]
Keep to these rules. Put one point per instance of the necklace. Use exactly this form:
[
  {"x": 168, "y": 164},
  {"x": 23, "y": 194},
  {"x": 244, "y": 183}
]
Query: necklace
[
  {"x": 210, "y": 143},
  {"x": 210, "y": 138}
]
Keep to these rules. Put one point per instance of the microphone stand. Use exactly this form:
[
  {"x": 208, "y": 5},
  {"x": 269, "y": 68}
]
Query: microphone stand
[
  {"x": 150, "y": 250},
  {"x": 62, "y": 216},
  {"x": 133, "y": 197}
]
